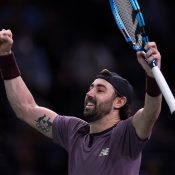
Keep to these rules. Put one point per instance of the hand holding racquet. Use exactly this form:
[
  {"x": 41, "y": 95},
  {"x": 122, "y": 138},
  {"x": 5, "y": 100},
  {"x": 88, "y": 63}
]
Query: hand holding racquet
[
  {"x": 131, "y": 23},
  {"x": 145, "y": 57}
]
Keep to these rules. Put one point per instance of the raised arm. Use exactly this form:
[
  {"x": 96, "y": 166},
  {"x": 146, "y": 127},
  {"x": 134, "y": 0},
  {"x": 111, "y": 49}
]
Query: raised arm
[
  {"x": 145, "y": 118},
  {"x": 19, "y": 96}
]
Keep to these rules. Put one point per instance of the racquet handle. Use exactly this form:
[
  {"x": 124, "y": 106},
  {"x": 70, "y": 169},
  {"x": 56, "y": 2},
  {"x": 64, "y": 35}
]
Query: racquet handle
[{"x": 169, "y": 98}]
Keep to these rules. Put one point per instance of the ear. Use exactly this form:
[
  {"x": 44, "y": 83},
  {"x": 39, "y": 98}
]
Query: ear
[{"x": 119, "y": 102}]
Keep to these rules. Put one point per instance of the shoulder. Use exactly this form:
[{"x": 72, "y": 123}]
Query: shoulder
[
  {"x": 70, "y": 122},
  {"x": 65, "y": 128},
  {"x": 126, "y": 123},
  {"x": 68, "y": 119},
  {"x": 125, "y": 136},
  {"x": 124, "y": 127}
]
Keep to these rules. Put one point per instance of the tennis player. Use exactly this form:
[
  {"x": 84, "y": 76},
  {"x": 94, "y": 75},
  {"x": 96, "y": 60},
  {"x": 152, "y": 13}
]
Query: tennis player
[{"x": 111, "y": 140}]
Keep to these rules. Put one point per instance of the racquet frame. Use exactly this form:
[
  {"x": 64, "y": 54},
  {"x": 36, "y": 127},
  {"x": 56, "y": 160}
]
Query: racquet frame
[{"x": 168, "y": 96}]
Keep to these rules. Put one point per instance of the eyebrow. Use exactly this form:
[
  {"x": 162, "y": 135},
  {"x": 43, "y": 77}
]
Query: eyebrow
[{"x": 98, "y": 85}]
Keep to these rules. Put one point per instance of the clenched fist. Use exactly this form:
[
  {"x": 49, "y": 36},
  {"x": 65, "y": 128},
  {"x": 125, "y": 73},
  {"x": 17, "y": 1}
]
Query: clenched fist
[{"x": 6, "y": 42}]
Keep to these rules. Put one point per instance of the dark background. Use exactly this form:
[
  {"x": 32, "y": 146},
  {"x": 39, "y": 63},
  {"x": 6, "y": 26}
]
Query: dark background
[{"x": 60, "y": 47}]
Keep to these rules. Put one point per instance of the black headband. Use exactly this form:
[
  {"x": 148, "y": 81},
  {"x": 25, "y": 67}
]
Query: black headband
[{"x": 122, "y": 86}]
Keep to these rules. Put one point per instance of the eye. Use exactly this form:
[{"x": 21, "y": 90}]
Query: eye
[{"x": 100, "y": 90}]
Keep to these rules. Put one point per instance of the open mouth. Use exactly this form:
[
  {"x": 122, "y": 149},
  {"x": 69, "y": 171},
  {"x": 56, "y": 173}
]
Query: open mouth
[{"x": 89, "y": 105}]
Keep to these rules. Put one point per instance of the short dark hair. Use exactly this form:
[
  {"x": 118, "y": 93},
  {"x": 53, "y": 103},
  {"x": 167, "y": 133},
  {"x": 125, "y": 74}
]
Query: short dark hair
[{"x": 123, "y": 89}]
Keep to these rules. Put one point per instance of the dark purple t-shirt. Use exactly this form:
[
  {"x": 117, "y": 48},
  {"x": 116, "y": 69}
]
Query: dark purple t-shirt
[{"x": 116, "y": 151}]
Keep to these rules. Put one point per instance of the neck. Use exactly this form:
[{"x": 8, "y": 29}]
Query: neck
[{"x": 106, "y": 122}]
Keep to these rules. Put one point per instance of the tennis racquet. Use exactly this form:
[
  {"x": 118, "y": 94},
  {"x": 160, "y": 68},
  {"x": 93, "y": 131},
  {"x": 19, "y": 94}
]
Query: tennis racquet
[{"x": 130, "y": 21}]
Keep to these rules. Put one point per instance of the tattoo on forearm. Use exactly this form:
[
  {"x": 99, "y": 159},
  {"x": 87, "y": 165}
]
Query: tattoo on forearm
[{"x": 43, "y": 124}]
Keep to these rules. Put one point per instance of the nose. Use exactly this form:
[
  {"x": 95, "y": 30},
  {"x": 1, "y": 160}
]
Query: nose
[{"x": 90, "y": 93}]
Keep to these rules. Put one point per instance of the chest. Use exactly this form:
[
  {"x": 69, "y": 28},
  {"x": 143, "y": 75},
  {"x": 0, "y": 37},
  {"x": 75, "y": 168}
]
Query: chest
[{"x": 90, "y": 154}]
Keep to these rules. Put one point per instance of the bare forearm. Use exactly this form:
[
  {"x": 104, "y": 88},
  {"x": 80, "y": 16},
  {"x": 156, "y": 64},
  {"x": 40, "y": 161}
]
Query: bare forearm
[
  {"x": 152, "y": 107},
  {"x": 145, "y": 118},
  {"x": 19, "y": 96},
  {"x": 153, "y": 99}
]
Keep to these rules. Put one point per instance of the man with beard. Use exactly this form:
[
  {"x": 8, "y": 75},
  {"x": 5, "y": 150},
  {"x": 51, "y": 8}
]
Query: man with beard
[{"x": 111, "y": 140}]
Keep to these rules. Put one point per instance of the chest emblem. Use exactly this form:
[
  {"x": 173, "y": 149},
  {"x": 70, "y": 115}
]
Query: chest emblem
[{"x": 104, "y": 152}]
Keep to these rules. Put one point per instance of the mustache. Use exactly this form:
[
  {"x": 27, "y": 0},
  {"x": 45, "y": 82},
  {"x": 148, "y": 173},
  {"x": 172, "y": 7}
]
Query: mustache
[{"x": 90, "y": 100}]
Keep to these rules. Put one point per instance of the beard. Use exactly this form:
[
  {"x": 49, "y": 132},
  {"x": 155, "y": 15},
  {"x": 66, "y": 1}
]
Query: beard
[{"x": 96, "y": 111}]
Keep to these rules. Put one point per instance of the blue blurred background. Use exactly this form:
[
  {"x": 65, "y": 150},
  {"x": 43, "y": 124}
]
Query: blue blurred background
[{"x": 60, "y": 47}]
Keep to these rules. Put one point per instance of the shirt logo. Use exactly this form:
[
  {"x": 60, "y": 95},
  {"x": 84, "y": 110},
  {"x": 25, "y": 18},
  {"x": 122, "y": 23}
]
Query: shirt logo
[{"x": 104, "y": 152}]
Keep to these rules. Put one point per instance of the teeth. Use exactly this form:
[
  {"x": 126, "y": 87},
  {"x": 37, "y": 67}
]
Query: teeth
[{"x": 90, "y": 104}]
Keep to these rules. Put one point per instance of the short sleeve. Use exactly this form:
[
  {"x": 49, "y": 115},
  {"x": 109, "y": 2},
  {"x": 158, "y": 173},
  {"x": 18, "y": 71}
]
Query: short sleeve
[
  {"x": 127, "y": 140},
  {"x": 64, "y": 127}
]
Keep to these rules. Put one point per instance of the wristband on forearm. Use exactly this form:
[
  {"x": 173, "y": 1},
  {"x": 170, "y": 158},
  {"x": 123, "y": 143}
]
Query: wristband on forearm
[
  {"x": 8, "y": 67},
  {"x": 152, "y": 88}
]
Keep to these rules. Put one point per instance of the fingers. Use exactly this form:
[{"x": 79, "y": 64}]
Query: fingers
[
  {"x": 149, "y": 45},
  {"x": 6, "y": 32},
  {"x": 6, "y": 41},
  {"x": 5, "y": 35},
  {"x": 145, "y": 57},
  {"x": 152, "y": 52},
  {"x": 141, "y": 54}
]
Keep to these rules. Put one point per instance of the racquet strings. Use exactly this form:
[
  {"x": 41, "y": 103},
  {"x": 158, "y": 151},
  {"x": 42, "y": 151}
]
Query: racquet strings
[{"x": 128, "y": 17}]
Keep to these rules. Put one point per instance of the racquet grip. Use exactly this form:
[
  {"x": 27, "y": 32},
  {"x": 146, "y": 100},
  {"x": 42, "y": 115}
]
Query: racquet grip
[{"x": 169, "y": 98}]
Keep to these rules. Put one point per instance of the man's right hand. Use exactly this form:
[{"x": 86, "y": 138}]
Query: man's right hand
[{"x": 6, "y": 42}]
